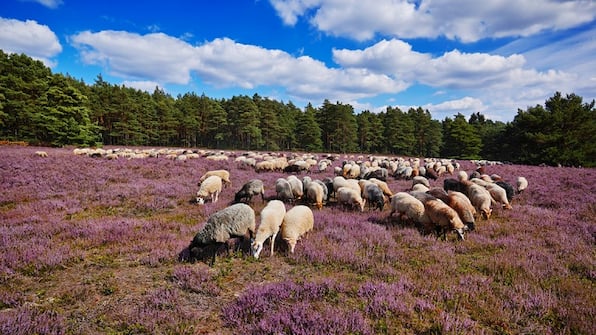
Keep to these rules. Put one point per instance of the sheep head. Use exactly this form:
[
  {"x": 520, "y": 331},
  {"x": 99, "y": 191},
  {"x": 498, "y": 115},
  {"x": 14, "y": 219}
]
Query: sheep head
[{"x": 256, "y": 248}]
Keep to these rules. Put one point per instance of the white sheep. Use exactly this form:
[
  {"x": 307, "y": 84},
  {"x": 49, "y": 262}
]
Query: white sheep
[
  {"x": 420, "y": 188},
  {"x": 210, "y": 187},
  {"x": 298, "y": 221},
  {"x": 522, "y": 184},
  {"x": 498, "y": 194},
  {"x": 480, "y": 198},
  {"x": 272, "y": 216},
  {"x": 420, "y": 180},
  {"x": 315, "y": 193},
  {"x": 350, "y": 197},
  {"x": 462, "y": 175},
  {"x": 407, "y": 205},
  {"x": 234, "y": 221},
  {"x": 223, "y": 174},
  {"x": 340, "y": 181},
  {"x": 297, "y": 187},
  {"x": 42, "y": 154}
]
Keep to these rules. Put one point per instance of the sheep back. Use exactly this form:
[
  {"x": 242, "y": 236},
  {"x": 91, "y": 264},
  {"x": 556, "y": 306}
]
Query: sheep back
[{"x": 297, "y": 222}]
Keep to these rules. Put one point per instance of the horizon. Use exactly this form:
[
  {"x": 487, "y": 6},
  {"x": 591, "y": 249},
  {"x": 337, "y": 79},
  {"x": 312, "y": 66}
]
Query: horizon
[{"x": 493, "y": 58}]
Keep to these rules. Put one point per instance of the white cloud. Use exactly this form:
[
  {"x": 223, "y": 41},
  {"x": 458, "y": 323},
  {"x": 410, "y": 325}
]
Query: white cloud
[
  {"x": 465, "y": 106},
  {"x": 143, "y": 85},
  {"x": 29, "y": 37},
  {"x": 226, "y": 63},
  {"x": 48, "y": 3},
  {"x": 156, "y": 56},
  {"x": 465, "y": 20}
]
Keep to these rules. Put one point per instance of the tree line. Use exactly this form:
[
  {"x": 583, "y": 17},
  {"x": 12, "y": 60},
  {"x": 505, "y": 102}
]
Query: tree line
[{"x": 45, "y": 108}]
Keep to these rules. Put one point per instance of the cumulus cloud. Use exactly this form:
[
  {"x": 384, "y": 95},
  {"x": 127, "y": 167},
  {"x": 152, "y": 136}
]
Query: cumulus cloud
[
  {"x": 226, "y": 63},
  {"x": 155, "y": 56},
  {"x": 29, "y": 37},
  {"x": 465, "y": 106},
  {"x": 465, "y": 20}
]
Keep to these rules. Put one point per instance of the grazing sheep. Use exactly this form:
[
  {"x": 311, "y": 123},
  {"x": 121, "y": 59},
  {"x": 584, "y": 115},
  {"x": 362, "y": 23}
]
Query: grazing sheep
[
  {"x": 42, "y": 154},
  {"x": 380, "y": 174},
  {"x": 223, "y": 174},
  {"x": 420, "y": 180},
  {"x": 325, "y": 189},
  {"x": 420, "y": 188},
  {"x": 464, "y": 208},
  {"x": 499, "y": 195},
  {"x": 462, "y": 175},
  {"x": 374, "y": 196},
  {"x": 284, "y": 190},
  {"x": 444, "y": 218},
  {"x": 272, "y": 217},
  {"x": 479, "y": 197},
  {"x": 438, "y": 193},
  {"x": 298, "y": 221},
  {"x": 382, "y": 185},
  {"x": 315, "y": 193},
  {"x": 340, "y": 181},
  {"x": 350, "y": 197},
  {"x": 250, "y": 189},
  {"x": 522, "y": 184},
  {"x": 297, "y": 187},
  {"x": 210, "y": 187},
  {"x": 407, "y": 205},
  {"x": 451, "y": 184},
  {"x": 234, "y": 221},
  {"x": 509, "y": 190}
]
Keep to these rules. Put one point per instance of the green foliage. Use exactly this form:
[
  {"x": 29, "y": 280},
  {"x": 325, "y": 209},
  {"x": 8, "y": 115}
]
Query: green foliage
[
  {"x": 461, "y": 139},
  {"x": 39, "y": 107},
  {"x": 561, "y": 132}
]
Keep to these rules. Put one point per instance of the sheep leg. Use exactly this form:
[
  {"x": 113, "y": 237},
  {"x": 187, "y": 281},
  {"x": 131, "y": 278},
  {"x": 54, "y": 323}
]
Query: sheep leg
[{"x": 273, "y": 242}]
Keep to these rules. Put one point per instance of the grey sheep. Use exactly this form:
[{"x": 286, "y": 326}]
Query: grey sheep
[
  {"x": 249, "y": 190},
  {"x": 237, "y": 220}
]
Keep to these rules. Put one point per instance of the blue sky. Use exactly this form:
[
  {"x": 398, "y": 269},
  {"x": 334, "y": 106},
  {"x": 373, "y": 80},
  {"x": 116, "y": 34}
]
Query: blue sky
[{"x": 457, "y": 56}]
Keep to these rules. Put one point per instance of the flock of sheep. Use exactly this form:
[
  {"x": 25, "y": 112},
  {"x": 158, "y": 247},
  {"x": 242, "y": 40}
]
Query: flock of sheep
[{"x": 356, "y": 183}]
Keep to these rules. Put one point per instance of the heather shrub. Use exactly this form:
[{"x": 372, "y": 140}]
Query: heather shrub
[{"x": 92, "y": 245}]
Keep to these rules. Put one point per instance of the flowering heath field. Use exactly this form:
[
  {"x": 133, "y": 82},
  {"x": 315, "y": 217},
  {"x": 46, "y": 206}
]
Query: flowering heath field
[{"x": 91, "y": 245}]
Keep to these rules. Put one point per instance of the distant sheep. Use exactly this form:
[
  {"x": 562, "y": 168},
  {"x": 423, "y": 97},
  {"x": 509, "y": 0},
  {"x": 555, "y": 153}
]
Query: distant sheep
[
  {"x": 521, "y": 183},
  {"x": 234, "y": 221},
  {"x": 249, "y": 190},
  {"x": 42, "y": 154},
  {"x": 272, "y": 216},
  {"x": 223, "y": 174},
  {"x": 298, "y": 221},
  {"x": 350, "y": 197},
  {"x": 210, "y": 187}
]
